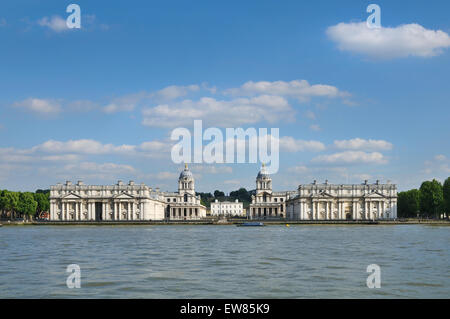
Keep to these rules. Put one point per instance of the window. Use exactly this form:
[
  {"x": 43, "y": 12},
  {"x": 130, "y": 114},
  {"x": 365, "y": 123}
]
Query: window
[{"x": 185, "y": 198}]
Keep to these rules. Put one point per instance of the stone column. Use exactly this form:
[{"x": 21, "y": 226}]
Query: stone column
[{"x": 313, "y": 209}]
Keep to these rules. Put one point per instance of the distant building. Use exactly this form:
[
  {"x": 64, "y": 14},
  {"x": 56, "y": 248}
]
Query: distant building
[
  {"x": 343, "y": 202},
  {"x": 227, "y": 209},
  {"x": 122, "y": 202},
  {"x": 184, "y": 204},
  {"x": 267, "y": 204}
]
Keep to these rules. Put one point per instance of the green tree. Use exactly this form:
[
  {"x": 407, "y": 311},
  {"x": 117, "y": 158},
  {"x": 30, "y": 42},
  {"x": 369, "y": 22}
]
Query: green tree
[
  {"x": 408, "y": 203},
  {"x": 43, "y": 202},
  {"x": 446, "y": 191},
  {"x": 27, "y": 205},
  {"x": 218, "y": 194},
  {"x": 431, "y": 198},
  {"x": 9, "y": 202},
  {"x": 2, "y": 201}
]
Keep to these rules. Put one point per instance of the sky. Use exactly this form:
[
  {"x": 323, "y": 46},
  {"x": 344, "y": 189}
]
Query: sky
[{"x": 100, "y": 103}]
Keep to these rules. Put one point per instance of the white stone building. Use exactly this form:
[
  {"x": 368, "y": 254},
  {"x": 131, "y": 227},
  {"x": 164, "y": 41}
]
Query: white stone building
[
  {"x": 343, "y": 202},
  {"x": 120, "y": 202},
  {"x": 184, "y": 204},
  {"x": 227, "y": 208},
  {"x": 324, "y": 201},
  {"x": 267, "y": 204}
]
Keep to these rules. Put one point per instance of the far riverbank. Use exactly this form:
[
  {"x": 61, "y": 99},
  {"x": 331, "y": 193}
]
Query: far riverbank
[{"x": 234, "y": 222}]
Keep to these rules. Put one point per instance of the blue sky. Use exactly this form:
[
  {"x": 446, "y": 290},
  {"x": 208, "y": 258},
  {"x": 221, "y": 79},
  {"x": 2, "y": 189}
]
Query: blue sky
[{"x": 99, "y": 103}]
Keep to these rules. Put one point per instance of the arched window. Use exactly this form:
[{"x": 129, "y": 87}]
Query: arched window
[{"x": 185, "y": 198}]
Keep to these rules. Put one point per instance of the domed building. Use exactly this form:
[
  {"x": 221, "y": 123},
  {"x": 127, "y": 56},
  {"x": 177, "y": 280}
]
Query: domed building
[
  {"x": 184, "y": 204},
  {"x": 267, "y": 204},
  {"x": 125, "y": 202}
]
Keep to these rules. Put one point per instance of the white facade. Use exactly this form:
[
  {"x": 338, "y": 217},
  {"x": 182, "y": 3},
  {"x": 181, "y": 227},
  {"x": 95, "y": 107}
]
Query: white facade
[
  {"x": 122, "y": 202},
  {"x": 343, "y": 202},
  {"x": 267, "y": 204},
  {"x": 227, "y": 208},
  {"x": 184, "y": 204},
  {"x": 324, "y": 201},
  {"x": 118, "y": 202}
]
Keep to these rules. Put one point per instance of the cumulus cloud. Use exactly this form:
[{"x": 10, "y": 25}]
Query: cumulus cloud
[
  {"x": 212, "y": 169},
  {"x": 223, "y": 113},
  {"x": 128, "y": 103},
  {"x": 76, "y": 150},
  {"x": 100, "y": 167},
  {"x": 438, "y": 166},
  {"x": 362, "y": 144},
  {"x": 386, "y": 42},
  {"x": 299, "y": 89},
  {"x": 40, "y": 106},
  {"x": 351, "y": 157},
  {"x": 54, "y": 23},
  {"x": 173, "y": 92},
  {"x": 290, "y": 144},
  {"x": 84, "y": 146}
]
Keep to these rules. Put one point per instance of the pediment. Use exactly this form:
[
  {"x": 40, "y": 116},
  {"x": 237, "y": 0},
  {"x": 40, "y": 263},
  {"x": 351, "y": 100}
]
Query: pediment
[
  {"x": 323, "y": 195},
  {"x": 375, "y": 195},
  {"x": 123, "y": 196},
  {"x": 72, "y": 196}
]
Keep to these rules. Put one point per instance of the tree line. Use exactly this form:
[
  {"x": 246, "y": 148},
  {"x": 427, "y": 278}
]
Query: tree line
[
  {"x": 241, "y": 195},
  {"x": 431, "y": 200},
  {"x": 26, "y": 205}
]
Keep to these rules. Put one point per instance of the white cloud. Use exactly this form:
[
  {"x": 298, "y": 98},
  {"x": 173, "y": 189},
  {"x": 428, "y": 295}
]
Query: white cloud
[
  {"x": 315, "y": 127},
  {"x": 212, "y": 169},
  {"x": 55, "y": 23},
  {"x": 298, "y": 169},
  {"x": 299, "y": 89},
  {"x": 310, "y": 115},
  {"x": 386, "y": 43},
  {"x": 128, "y": 103},
  {"x": 351, "y": 157},
  {"x": 438, "y": 166},
  {"x": 175, "y": 91},
  {"x": 100, "y": 168},
  {"x": 233, "y": 113},
  {"x": 125, "y": 103},
  {"x": 362, "y": 144},
  {"x": 40, "y": 106},
  {"x": 290, "y": 144},
  {"x": 232, "y": 182},
  {"x": 166, "y": 176},
  {"x": 84, "y": 146}
]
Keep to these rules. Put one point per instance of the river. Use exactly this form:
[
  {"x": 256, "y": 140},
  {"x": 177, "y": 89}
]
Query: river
[{"x": 302, "y": 261}]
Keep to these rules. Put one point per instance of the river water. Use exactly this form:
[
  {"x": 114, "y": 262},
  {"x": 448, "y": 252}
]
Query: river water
[{"x": 303, "y": 261}]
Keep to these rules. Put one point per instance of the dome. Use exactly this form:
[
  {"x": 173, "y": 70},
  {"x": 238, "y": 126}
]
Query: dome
[
  {"x": 263, "y": 172},
  {"x": 186, "y": 173}
]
